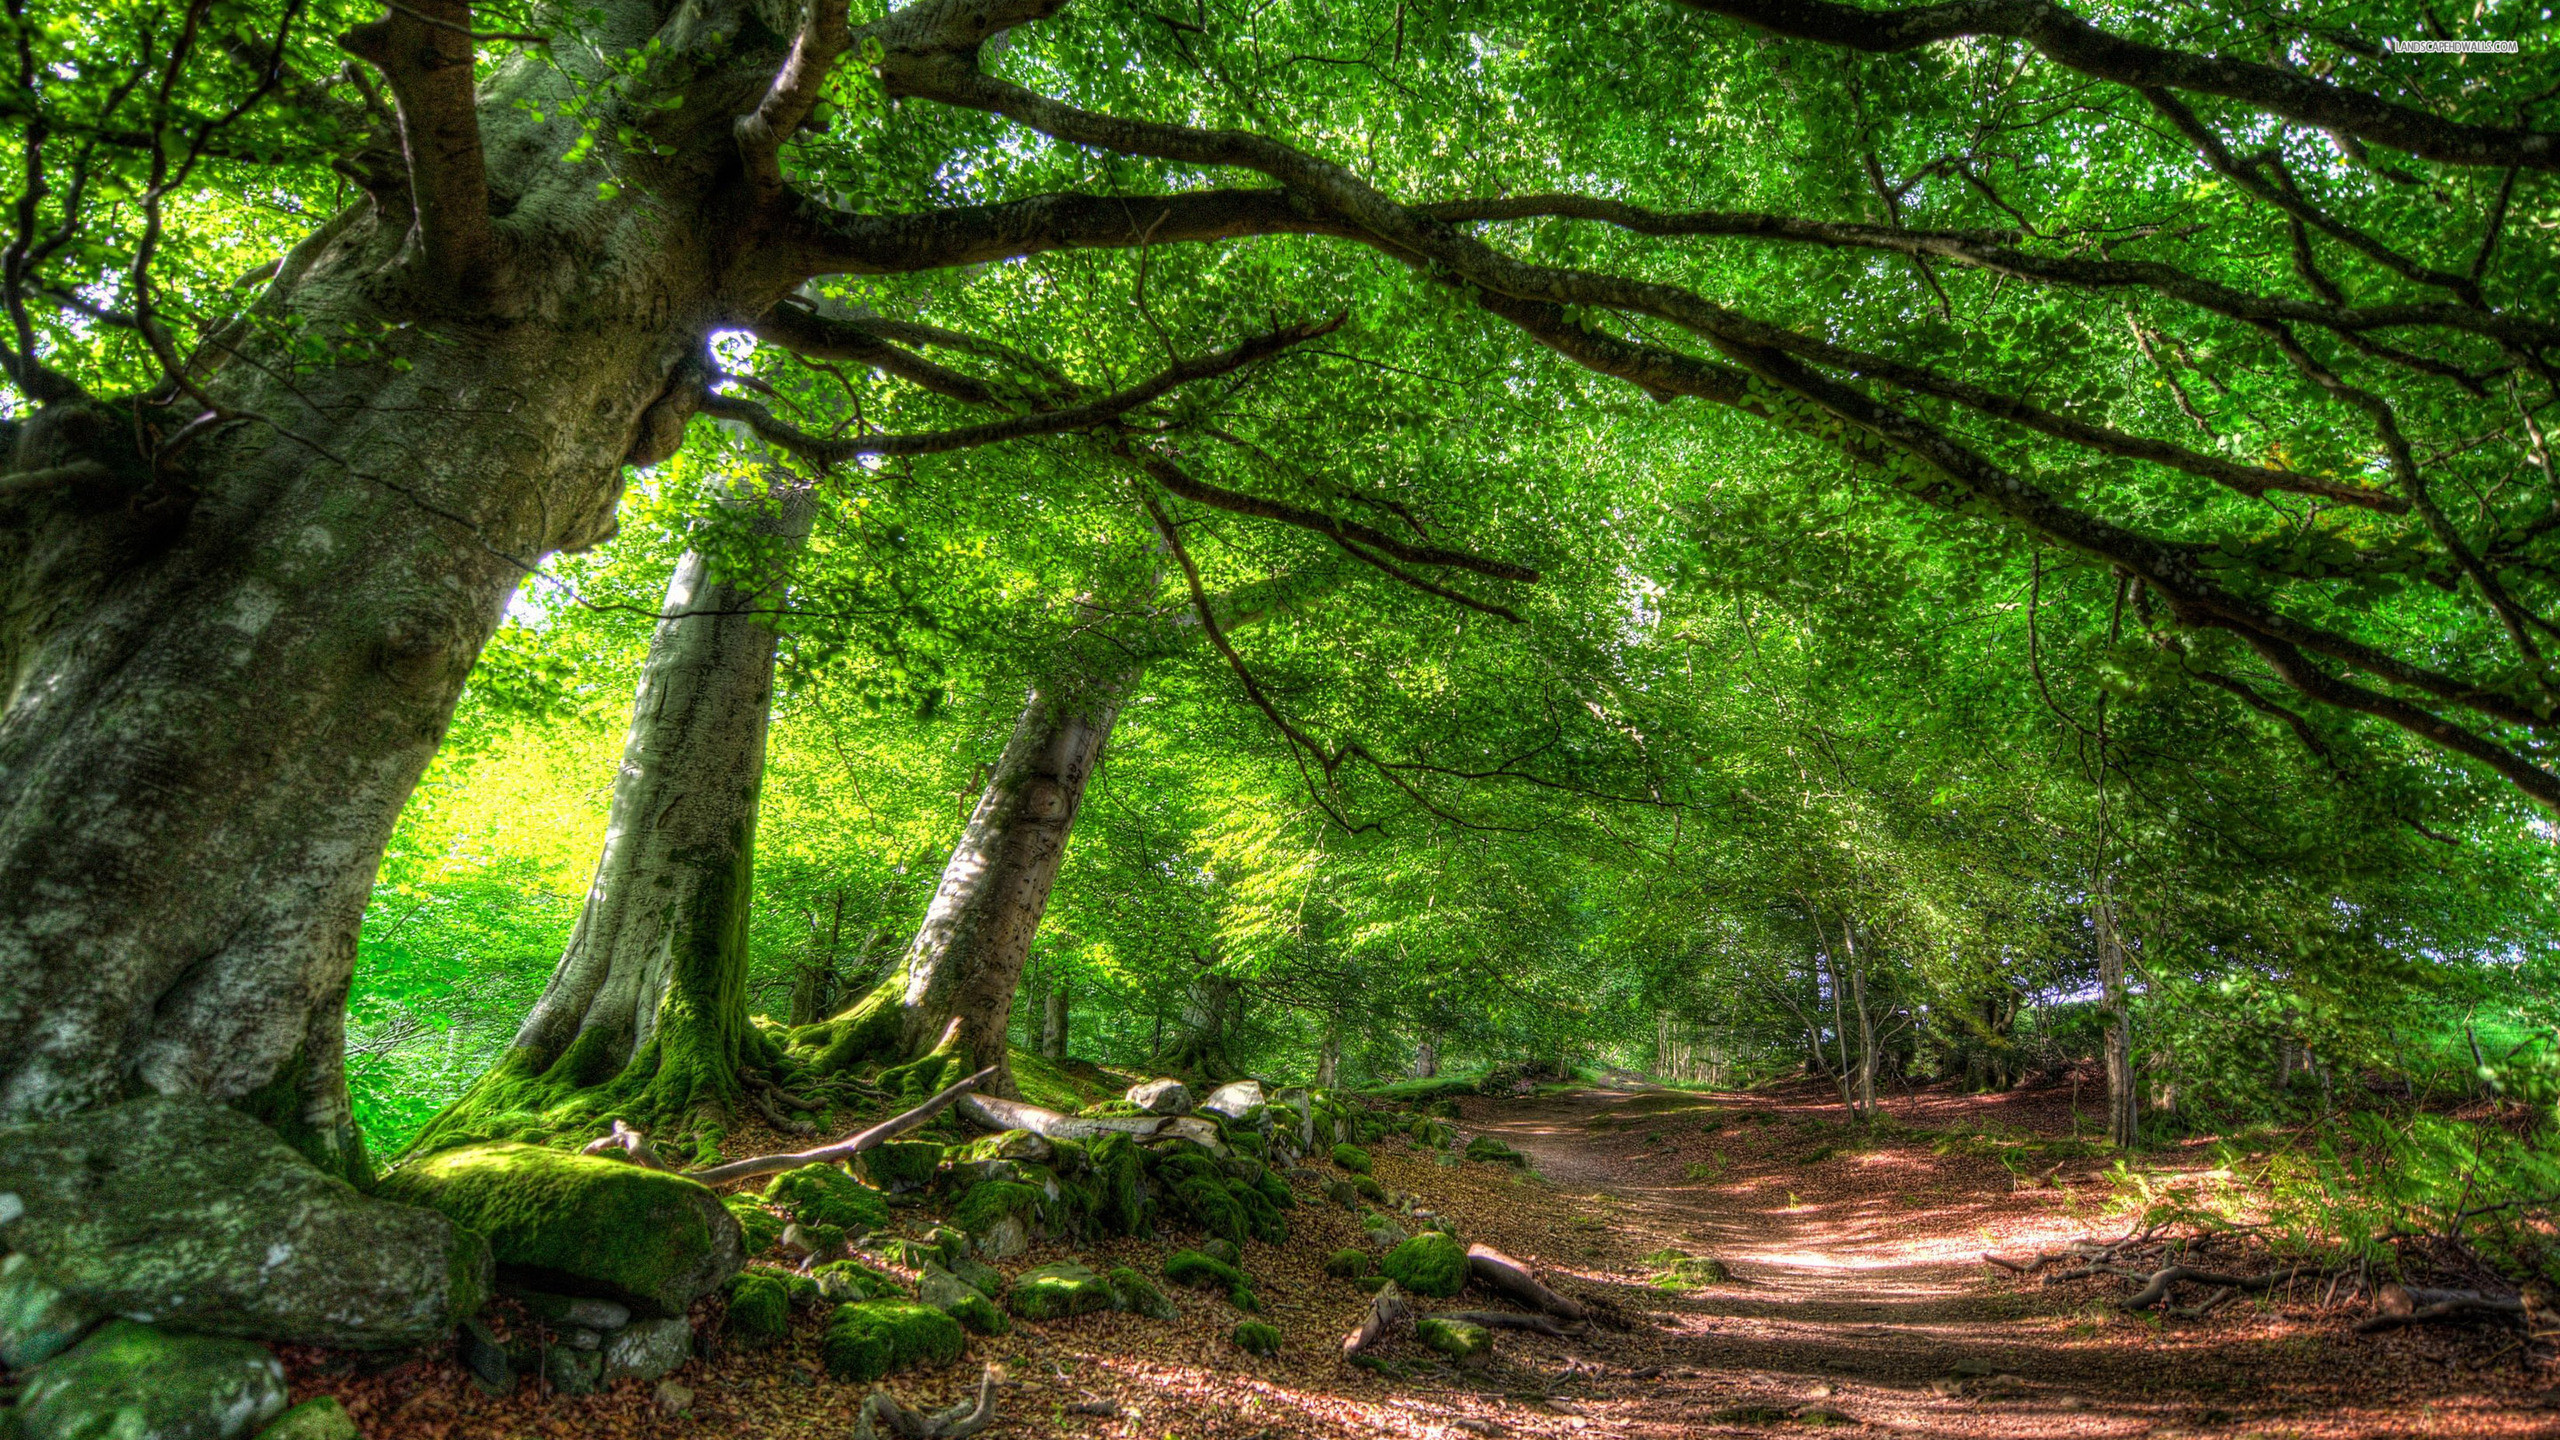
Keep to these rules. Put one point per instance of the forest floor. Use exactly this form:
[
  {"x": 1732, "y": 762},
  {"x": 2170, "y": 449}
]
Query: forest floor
[{"x": 1858, "y": 1301}]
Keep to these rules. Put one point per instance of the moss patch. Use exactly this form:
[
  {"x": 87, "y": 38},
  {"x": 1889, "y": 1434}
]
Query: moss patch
[
  {"x": 1492, "y": 1151},
  {"x": 1054, "y": 1292},
  {"x": 1457, "y": 1339},
  {"x": 1255, "y": 1338},
  {"x": 1430, "y": 1263},
  {"x": 1347, "y": 1263},
  {"x": 1201, "y": 1272},
  {"x": 982, "y": 1205},
  {"x": 757, "y": 1226},
  {"x": 825, "y": 1195},
  {"x": 759, "y": 1309},
  {"x": 872, "y": 1338},
  {"x": 582, "y": 1225},
  {"x": 898, "y": 1165},
  {"x": 1131, "y": 1291},
  {"x": 1351, "y": 1158}
]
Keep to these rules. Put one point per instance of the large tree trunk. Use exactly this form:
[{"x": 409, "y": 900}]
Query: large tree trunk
[
  {"x": 1211, "y": 1005},
  {"x": 1426, "y": 1059},
  {"x": 947, "y": 1005},
  {"x": 646, "y": 1014},
  {"x": 1329, "y": 1057},
  {"x": 222, "y": 683}
]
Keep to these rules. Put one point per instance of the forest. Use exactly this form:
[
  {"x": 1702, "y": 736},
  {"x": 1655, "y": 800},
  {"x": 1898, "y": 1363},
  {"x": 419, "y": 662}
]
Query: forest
[{"x": 1187, "y": 718}]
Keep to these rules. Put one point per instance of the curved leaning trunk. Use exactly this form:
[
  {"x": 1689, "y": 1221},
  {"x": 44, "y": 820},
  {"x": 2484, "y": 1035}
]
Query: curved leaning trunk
[
  {"x": 949, "y": 1002},
  {"x": 646, "y": 1013},
  {"x": 222, "y": 682}
]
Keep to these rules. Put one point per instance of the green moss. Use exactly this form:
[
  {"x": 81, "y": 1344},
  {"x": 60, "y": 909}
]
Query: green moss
[
  {"x": 1226, "y": 1252},
  {"x": 1200, "y": 1272},
  {"x": 955, "y": 1297},
  {"x": 872, "y": 1338},
  {"x": 1255, "y": 1338},
  {"x": 1431, "y": 1263},
  {"x": 1492, "y": 1151},
  {"x": 1112, "y": 1110},
  {"x": 759, "y": 1227},
  {"x": 982, "y": 1205},
  {"x": 823, "y": 1239},
  {"x": 1243, "y": 1298},
  {"x": 866, "y": 1030},
  {"x": 899, "y": 1165},
  {"x": 1369, "y": 1190},
  {"x": 1351, "y": 1158},
  {"x": 1369, "y": 1284},
  {"x": 759, "y": 1309},
  {"x": 1054, "y": 1292},
  {"x": 1211, "y": 1205},
  {"x": 1457, "y": 1339},
  {"x": 846, "y": 1280},
  {"x": 1242, "y": 1140},
  {"x": 825, "y": 1195},
  {"x": 1131, "y": 1291},
  {"x": 1347, "y": 1263},
  {"x": 1119, "y": 1184},
  {"x": 581, "y": 1224},
  {"x": 1261, "y": 1217},
  {"x": 1275, "y": 1190}
]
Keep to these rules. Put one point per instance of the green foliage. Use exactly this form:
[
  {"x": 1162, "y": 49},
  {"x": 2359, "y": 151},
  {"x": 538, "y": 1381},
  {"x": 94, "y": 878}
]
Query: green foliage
[{"x": 759, "y": 1226}]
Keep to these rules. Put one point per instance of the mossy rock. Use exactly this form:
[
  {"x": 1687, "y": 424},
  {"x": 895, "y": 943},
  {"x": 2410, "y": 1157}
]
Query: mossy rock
[
  {"x": 1134, "y": 1293},
  {"x": 813, "y": 1239},
  {"x": 844, "y": 1281},
  {"x": 1369, "y": 1190},
  {"x": 320, "y": 1418},
  {"x": 1262, "y": 1218},
  {"x": 1444, "y": 1107},
  {"x": 1382, "y": 1230},
  {"x": 1201, "y": 1272},
  {"x": 1243, "y": 1298},
  {"x": 986, "y": 1279},
  {"x": 1275, "y": 1190},
  {"x": 1119, "y": 1185},
  {"x": 1113, "y": 1110},
  {"x": 898, "y": 1166},
  {"x": 1213, "y": 1206},
  {"x": 981, "y": 1206},
  {"x": 1347, "y": 1263},
  {"x": 1055, "y": 1292},
  {"x": 961, "y": 1301},
  {"x": 824, "y": 1195},
  {"x": 1457, "y": 1339},
  {"x": 1021, "y": 1145},
  {"x": 757, "y": 1226},
  {"x": 1344, "y": 1193},
  {"x": 1494, "y": 1152},
  {"x": 582, "y": 1225},
  {"x": 1369, "y": 1284},
  {"x": 1351, "y": 1158},
  {"x": 1255, "y": 1338},
  {"x": 1682, "y": 1271},
  {"x": 872, "y": 1338},
  {"x": 130, "y": 1381},
  {"x": 1224, "y": 1251},
  {"x": 759, "y": 1309},
  {"x": 1431, "y": 1263}
]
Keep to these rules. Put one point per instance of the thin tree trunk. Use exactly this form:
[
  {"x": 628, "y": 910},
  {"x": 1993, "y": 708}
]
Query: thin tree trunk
[
  {"x": 2123, "y": 1101},
  {"x": 1864, "y": 1107},
  {"x": 648, "y": 1001},
  {"x": 1426, "y": 1059},
  {"x": 1329, "y": 1057},
  {"x": 966, "y": 960},
  {"x": 1054, "y": 1010}
]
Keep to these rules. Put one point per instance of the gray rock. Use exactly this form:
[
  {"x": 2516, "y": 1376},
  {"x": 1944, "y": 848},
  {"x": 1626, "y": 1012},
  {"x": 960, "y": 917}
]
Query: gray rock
[
  {"x": 673, "y": 1398},
  {"x": 579, "y": 1338},
  {"x": 1300, "y": 1104},
  {"x": 176, "y": 1210},
  {"x": 576, "y": 1310},
  {"x": 320, "y": 1419},
  {"x": 37, "y": 1320},
  {"x": 131, "y": 1380},
  {"x": 986, "y": 1279},
  {"x": 573, "y": 1372},
  {"x": 1160, "y": 1097},
  {"x": 1003, "y": 1239},
  {"x": 1234, "y": 1100},
  {"x": 943, "y": 1290},
  {"x": 1383, "y": 1232},
  {"x": 647, "y": 1350},
  {"x": 485, "y": 1360}
]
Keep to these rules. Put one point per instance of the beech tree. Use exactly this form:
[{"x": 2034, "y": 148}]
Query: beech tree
[{"x": 2273, "y": 346}]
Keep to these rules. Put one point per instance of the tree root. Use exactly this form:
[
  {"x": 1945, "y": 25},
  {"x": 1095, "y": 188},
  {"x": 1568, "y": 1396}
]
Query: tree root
[
  {"x": 1513, "y": 1279},
  {"x": 883, "y": 1418},
  {"x": 1512, "y": 1320},
  {"x": 2399, "y": 1305},
  {"x": 629, "y": 1141},
  {"x": 848, "y": 1147},
  {"x": 774, "y": 1117},
  {"x": 1390, "y": 1314},
  {"x": 2156, "y": 1289}
]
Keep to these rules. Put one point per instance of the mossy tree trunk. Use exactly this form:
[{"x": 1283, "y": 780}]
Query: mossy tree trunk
[
  {"x": 947, "y": 1005},
  {"x": 1211, "y": 1005},
  {"x": 646, "y": 1013}
]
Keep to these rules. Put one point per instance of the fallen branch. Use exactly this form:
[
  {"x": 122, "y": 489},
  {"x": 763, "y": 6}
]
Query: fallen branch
[
  {"x": 630, "y": 1142},
  {"x": 1389, "y": 1314},
  {"x": 1001, "y": 1114},
  {"x": 847, "y": 1148},
  {"x": 2399, "y": 1305},
  {"x": 1513, "y": 1320},
  {"x": 1512, "y": 1278},
  {"x": 2156, "y": 1289},
  {"x": 883, "y": 1417}
]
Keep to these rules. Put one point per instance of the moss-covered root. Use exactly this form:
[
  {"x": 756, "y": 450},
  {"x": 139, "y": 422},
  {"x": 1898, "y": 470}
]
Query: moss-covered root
[{"x": 862, "y": 1032}]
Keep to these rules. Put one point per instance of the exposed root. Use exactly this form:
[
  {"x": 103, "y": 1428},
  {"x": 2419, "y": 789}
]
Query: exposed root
[
  {"x": 630, "y": 1142},
  {"x": 883, "y": 1417},
  {"x": 848, "y": 1147},
  {"x": 2399, "y": 1305},
  {"x": 773, "y": 1116},
  {"x": 1390, "y": 1314},
  {"x": 1512, "y": 1278},
  {"x": 1513, "y": 1320}
]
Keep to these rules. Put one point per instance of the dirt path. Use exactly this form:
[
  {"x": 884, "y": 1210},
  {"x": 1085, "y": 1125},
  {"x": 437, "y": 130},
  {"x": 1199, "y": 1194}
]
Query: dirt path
[{"x": 1859, "y": 1295}]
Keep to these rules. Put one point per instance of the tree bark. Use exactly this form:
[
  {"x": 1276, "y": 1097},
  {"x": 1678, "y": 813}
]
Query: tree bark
[
  {"x": 1054, "y": 1011},
  {"x": 967, "y": 958},
  {"x": 2124, "y": 1117},
  {"x": 223, "y": 681},
  {"x": 1426, "y": 1059},
  {"x": 648, "y": 1002},
  {"x": 1210, "y": 1006},
  {"x": 1329, "y": 1057}
]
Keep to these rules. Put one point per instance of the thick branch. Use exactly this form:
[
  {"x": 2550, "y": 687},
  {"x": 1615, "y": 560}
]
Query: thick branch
[
  {"x": 2075, "y": 44},
  {"x": 424, "y": 50}
]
